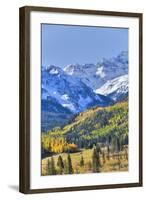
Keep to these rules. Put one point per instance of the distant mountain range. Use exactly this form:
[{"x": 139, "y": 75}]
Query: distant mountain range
[
  {"x": 68, "y": 91},
  {"x": 95, "y": 75}
]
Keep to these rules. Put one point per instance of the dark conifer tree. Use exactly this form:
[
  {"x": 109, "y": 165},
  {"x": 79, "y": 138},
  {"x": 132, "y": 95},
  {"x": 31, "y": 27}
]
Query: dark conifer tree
[
  {"x": 103, "y": 157},
  {"x": 108, "y": 152},
  {"x": 60, "y": 164},
  {"x": 69, "y": 165},
  {"x": 118, "y": 144},
  {"x": 82, "y": 161},
  {"x": 95, "y": 160}
]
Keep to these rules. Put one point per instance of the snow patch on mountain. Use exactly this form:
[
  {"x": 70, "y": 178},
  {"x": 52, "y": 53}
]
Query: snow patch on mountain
[
  {"x": 100, "y": 72},
  {"x": 54, "y": 71},
  {"x": 70, "y": 106},
  {"x": 65, "y": 97},
  {"x": 115, "y": 87}
]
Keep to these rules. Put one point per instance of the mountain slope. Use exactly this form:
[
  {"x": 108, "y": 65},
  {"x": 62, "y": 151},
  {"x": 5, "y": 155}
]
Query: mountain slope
[
  {"x": 53, "y": 114},
  {"x": 117, "y": 88},
  {"x": 96, "y": 125},
  {"x": 70, "y": 92}
]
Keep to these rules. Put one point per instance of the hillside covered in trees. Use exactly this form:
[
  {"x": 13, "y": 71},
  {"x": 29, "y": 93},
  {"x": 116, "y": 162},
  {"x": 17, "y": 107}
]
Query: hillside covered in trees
[{"x": 102, "y": 125}]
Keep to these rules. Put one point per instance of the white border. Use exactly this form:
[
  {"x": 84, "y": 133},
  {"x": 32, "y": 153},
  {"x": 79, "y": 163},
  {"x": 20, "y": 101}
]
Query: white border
[{"x": 132, "y": 176}]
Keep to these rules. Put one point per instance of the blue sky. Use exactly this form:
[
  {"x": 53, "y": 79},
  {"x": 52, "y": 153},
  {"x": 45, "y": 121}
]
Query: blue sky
[{"x": 63, "y": 45}]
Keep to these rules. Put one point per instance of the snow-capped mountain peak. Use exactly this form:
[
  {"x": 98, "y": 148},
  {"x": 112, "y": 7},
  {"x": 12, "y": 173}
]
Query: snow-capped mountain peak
[
  {"x": 116, "y": 88},
  {"x": 95, "y": 75},
  {"x": 52, "y": 69}
]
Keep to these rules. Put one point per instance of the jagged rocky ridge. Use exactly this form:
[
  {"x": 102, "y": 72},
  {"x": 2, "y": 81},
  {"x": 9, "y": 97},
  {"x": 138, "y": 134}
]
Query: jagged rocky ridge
[{"x": 68, "y": 91}]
